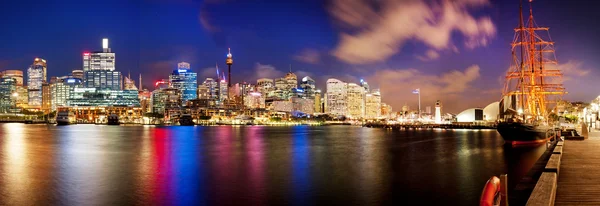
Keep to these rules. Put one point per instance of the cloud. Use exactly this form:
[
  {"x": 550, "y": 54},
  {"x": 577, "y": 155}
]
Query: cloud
[
  {"x": 429, "y": 55},
  {"x": 204, "y": 21},
  {"x": 309, "y": 56},
  {"x": 381, "y": 28},
  {"x": 454, "y": 88},
  {"x": 267, "y": 71},
  {"x": 571, "y": 69}
]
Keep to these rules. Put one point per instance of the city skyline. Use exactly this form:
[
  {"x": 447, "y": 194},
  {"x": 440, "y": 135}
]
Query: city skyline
[{"x": 463, "y": 65}]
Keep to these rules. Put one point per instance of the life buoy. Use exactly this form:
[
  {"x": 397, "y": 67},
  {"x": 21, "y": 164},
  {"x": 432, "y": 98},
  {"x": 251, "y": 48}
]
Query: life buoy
[{"x": 490, "y": 195}]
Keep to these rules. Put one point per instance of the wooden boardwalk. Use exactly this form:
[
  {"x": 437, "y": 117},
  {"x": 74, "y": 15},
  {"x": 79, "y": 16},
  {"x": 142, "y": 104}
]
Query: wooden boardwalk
[{"x": 579, "y": 178}]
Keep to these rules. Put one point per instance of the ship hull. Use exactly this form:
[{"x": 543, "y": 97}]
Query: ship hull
[
  {"x": 523, "y": 134},
  {"x": 186, "y": 121}
]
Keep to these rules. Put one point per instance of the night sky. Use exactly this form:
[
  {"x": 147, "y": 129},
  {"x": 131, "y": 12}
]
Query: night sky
[{"x": 456, "y": 51}]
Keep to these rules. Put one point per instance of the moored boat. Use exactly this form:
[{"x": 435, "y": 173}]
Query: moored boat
[
  {"x": 186, "y": 120},
  {"x": 533, "y": 83},
  {"x": 65, "y": 118},
  {"x": 113, "y": 119}
]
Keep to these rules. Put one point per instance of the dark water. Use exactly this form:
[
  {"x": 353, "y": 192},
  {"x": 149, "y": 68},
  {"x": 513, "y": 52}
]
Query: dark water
[{"x": 254, "y": 165}]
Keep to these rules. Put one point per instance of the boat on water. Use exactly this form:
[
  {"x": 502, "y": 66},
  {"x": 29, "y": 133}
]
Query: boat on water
[
  {"x": 113, "y": 119},
  {"x": 65, "y": 118},
  {"x": 532, "y": 86},
  {"x": 186, "y": 120}
]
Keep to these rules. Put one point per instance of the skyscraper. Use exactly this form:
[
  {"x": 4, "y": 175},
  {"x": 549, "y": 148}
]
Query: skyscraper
[
  {"x": 36, "y": 76},
  {"x": 185, "y": 80},
  {"x": 265, "y": 86},
  {"x": 355, "y": 101},
  {"x": 61, "y": 91},
  {"x": 336, "y": 97},
  {"x": 308, "y": 87},
  {"x": 15, "y": 74},
  {"x": 77, "y": 74},
  {"x": 7, "y": 93},
  {"x": 104, "y": 60},
  {"x": 213, "y": 88},
  {"x": 99, "y": 69},
  {"x": 373, "y": 104},
  {"x": 46, "y": 97}
]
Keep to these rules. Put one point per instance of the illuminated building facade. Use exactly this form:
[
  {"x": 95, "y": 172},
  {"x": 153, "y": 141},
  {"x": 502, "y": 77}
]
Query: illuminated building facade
[
  {"x": 22, "y": 96},
  {"x": 265, "y": 86},
  {"x": 254, "y": 100},
  {"x": 46, "y": 98},
  {"x": 36, "y": 76},
  {"x": 77, "y": 74},
  {"x": 356, "y": 101},
  {"x": 161, "y": 84},
  {"x": 223, "y": 90},
  {"x": 308, "y": 87},
  {"x": 8, "y": 87},
  {"x": 99, "y": 69},
  {"x": 103, "y": 98},
  {"x": 61, "y": 91},
  {"x": 15, "y": 74},
  {"x": 373, "y": 105},
  {"x": 302, "y": 106},
  {"x": 185, "y": 80},
  {"x": 104, "y": 60},
  {"x": 129, "y": 84},
  {"x": 336, "y": 97},
  {"x": 213, "y": 88}
]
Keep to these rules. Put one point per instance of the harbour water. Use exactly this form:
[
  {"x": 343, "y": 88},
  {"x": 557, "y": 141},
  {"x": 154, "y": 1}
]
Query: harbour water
[{"x": 251, "y": 165}]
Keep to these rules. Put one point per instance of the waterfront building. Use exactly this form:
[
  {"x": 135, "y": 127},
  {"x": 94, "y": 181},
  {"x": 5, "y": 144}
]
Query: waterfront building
[
  {"x": 318, "y": 102},
  {"x": 302, "y": 106},
  {"x": 386, "y": 110},
  {"x": 36, "y": 76},
  {"x": 103, "y": 98},
  {"x": 145, "y": 98},
  {"x": 15, "y": 74},
  {"x": 61, "y": 91},
  {"x": 22, "y": 97},
  {"x": 282, "y": 106},
  {"x": 185, "y": 80},
  {"x": 46, "y": 98},
  {"x": 166, "y": 101},
  {"x": 8, "y": 87},
  {"x": 373, "y": 105},
  {"x": 355, "y": 101},
  {"x": 336, "y": 97},
  {"x": 79, "y": 74},
  {"x": 254, "y": 100},
  {"x": 428, "y": 110}
]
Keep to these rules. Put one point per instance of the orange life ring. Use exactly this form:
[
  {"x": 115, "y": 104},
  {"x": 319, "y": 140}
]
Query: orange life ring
[{"x": 490, "y": 192}]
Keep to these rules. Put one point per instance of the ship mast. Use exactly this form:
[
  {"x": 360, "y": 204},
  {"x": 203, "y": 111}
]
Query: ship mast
[{"x": 535, "y": 82}]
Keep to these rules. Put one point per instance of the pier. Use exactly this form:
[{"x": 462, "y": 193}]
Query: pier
[
  {"x": 570, "y": 174},
  {"x": 579, "y": 177},
  {"x": 441, "y": 126}
]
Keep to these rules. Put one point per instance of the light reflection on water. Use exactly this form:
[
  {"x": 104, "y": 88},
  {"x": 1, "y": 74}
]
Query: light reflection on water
[{"x": 254, "y": 165}]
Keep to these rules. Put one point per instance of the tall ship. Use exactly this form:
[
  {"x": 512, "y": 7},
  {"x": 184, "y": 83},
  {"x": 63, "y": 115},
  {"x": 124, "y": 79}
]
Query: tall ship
[{"x": 533, "y": 85}]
